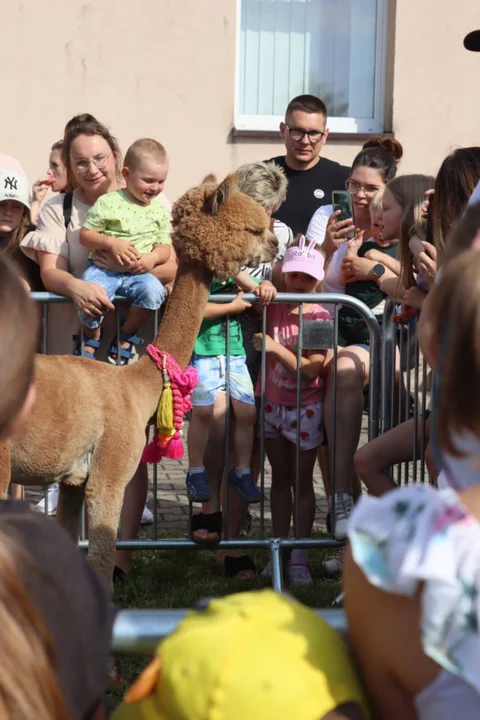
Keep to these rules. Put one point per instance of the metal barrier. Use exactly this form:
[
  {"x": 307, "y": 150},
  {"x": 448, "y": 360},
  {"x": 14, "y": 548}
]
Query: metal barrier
[
  {"x": 406, "y": 383},
  {"x": 139, "y": 631},
  {"x": 275, "y": 545}
]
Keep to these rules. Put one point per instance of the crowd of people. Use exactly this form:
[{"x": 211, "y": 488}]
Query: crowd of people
[{"x": 412, "y": 563}]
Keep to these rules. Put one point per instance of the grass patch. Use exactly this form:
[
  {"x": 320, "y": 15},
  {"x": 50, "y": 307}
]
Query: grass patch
[{"x": 180, "y": 578}]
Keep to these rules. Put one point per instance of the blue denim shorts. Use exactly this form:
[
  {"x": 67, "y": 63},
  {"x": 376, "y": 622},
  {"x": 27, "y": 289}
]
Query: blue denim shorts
[
  {"x": 212, "y": 378},
  {"x": 145, "y": 290}
]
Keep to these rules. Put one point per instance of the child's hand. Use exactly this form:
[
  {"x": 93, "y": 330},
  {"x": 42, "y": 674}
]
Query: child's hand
[
  {"x": 238, "y": 304},
  {"x": 266, "y": 291},
  {"x": 257, "y": 342},
  {"x": 413, "y": 298},
  {"x": 123, "y": 252},
  {"x": 354, "y": 245},
  {"x": 145, "y": 263}
]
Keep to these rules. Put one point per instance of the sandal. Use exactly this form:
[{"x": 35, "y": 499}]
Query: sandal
[
  {"x": 126, "y": 354},
  {"x": 212, "y": 523},
  {"x": 87, "y": 342},
  {"x": 239, "y": 567}
]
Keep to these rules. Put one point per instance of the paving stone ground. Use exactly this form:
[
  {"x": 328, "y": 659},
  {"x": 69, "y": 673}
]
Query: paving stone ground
[{"x": 172, "y": 506}]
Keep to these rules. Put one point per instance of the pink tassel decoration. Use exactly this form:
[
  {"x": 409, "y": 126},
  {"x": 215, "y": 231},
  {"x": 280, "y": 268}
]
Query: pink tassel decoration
[{"x": 182, "y": 385}]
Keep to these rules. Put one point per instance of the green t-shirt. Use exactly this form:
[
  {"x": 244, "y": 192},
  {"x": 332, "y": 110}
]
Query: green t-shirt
[
  {"x": 115, "y": 215},
  {"x": 351, "y": 327},
  {"x": 212, "y": 337}
]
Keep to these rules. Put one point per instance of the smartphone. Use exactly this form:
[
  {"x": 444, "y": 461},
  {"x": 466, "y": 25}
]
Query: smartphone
[
  {"x": 342, "y": 200},
  {"x": 429, "y": 228}
]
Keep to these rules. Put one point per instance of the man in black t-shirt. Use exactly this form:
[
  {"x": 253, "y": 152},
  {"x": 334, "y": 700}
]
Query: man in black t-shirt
[{"x": 311, "y": 179}]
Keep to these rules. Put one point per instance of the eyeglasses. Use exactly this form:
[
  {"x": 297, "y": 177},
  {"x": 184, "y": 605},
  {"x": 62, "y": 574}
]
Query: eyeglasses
[
  {"x": 355, "y": 188},
  {"x": 298, "y": 134},
  {"x": 82, "y": 166}
]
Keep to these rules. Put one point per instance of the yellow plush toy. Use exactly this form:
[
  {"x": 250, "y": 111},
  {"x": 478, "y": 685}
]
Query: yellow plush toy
[{"x": 256, "y": 655}]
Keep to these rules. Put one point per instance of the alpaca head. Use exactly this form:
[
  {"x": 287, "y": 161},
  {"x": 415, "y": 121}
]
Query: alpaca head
[{"x": 221, "y": 229}]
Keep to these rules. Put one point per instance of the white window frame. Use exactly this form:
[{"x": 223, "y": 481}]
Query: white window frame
[{"x": 347, "y": 125}]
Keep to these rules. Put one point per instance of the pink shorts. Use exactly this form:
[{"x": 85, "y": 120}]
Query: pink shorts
[{"x": 281, "y": 421}]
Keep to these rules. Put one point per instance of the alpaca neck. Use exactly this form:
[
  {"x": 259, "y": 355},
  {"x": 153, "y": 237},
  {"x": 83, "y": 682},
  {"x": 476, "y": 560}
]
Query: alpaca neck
[
  {"x": 184, "y": 313},
  {"x": 177, "y": 333}
]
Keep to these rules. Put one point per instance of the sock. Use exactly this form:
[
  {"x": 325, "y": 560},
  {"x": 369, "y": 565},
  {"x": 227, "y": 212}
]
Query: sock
[
  {"x": 298, "y": 557},
  {"x": 242, "y": 471},
  {"x": 196, "y": 470}
]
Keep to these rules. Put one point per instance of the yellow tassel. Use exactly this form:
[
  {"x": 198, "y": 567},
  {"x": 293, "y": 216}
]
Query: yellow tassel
[{"x": 165, "y": 412}]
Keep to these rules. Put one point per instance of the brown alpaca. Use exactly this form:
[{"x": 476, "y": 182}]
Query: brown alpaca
[{"x": 87, "y": 429}]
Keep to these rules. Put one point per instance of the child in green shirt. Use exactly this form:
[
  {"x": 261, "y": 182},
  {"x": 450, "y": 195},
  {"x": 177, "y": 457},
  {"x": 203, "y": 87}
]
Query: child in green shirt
[
  {"x": 135, "y": 230},
  {"x": 210, "y": 361}
]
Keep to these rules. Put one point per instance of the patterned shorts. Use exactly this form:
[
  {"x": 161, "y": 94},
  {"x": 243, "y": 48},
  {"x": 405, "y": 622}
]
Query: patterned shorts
[
  {"x": 212, "y": 378},
  {"x": 281, "y": 421}
]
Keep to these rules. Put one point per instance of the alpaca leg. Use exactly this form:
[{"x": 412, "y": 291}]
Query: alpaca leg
[
  {"x": 69, "y": 510},
  {"x": 104, "y": 507},
  {"x": 4, "y": 468}
]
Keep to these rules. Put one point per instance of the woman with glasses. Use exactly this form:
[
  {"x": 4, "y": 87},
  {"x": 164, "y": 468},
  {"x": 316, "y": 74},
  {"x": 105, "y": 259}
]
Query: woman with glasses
[
  {"x": 372, "y": 169},
  {"x": 92, "y": 158}
]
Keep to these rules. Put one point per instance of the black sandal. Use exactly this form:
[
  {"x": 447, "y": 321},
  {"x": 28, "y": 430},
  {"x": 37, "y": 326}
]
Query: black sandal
[
  {"x": 212, "y": 522},
  {"x": 236, "y": 565}
]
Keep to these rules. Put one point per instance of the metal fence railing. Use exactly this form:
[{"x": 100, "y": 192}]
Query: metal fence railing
[
  {"x": 308, "y": 338},
  {"x": 406, "y": 384},
  {"x": 138, "y": 632}
]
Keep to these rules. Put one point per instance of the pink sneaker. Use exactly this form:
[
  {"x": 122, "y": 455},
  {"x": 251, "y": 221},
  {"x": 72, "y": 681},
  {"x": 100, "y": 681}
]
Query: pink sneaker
[{"x": 299, "y": 574}]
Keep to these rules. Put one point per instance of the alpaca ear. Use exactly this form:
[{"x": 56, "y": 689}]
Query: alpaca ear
[
  {"x": 210, "y": 178},
  {"x": 224, "y": 191}
]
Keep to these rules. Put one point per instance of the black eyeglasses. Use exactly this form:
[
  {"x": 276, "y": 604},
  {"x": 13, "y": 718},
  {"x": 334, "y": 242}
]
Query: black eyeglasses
[{"x": 298, "y": 134}]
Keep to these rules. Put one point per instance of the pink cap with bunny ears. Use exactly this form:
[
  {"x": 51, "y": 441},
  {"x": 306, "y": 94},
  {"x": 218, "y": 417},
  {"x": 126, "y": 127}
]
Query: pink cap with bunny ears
[{"x": 305, "y": 260}]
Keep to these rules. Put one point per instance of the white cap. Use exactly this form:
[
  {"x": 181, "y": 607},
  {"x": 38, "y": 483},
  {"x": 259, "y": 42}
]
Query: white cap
[{"x": 14, "y": 186}]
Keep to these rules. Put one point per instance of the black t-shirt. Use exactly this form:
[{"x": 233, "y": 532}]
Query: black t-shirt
[
  {"x": 351, "y": 327},
  {"x": 308, "y": 190}
]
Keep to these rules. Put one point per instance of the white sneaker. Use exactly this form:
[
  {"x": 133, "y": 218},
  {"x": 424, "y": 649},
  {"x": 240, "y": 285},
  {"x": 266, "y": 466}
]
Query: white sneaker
[
  {"x": 52, "y": 495},
  {"x": 334, "y": 565},
  {"x": 147, "y": 517},
  {"x": 343, "y": 508},
  {"x": 267, "y": 570},
  {"x": 299, "y": 574}
]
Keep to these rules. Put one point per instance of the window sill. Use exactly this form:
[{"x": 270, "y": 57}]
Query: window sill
[{"x": 332, "y": 136}]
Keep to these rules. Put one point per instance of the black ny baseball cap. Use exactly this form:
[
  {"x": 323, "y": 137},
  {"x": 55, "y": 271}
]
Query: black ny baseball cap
[{"x": 472, "y": 41}]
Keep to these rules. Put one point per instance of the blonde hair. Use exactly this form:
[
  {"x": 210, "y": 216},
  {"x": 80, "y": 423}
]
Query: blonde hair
[
  {"x": 409, "y": 191},
  {"x": 264, "y": 182},
  {"x": 28, "y": 682},
  {"x": 142, "y": 149},
  {"x": 18, "y": 330},
  {"x": 455, "y": 305},
  {"x": 376, "y": 202}
]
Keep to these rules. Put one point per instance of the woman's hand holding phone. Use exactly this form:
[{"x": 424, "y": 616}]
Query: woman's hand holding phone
[{"x": 337, "y": 232}]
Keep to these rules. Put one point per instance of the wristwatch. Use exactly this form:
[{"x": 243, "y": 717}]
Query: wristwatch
[{"x": 378, "y": 270}]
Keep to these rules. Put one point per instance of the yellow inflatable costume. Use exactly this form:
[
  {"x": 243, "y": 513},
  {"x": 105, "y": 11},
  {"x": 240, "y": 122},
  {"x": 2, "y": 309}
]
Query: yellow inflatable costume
[{"x": 251, "y": 656}]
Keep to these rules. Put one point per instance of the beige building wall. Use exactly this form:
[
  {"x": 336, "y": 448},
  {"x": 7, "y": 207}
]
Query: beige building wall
[{"x": 166, "y": 69}]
